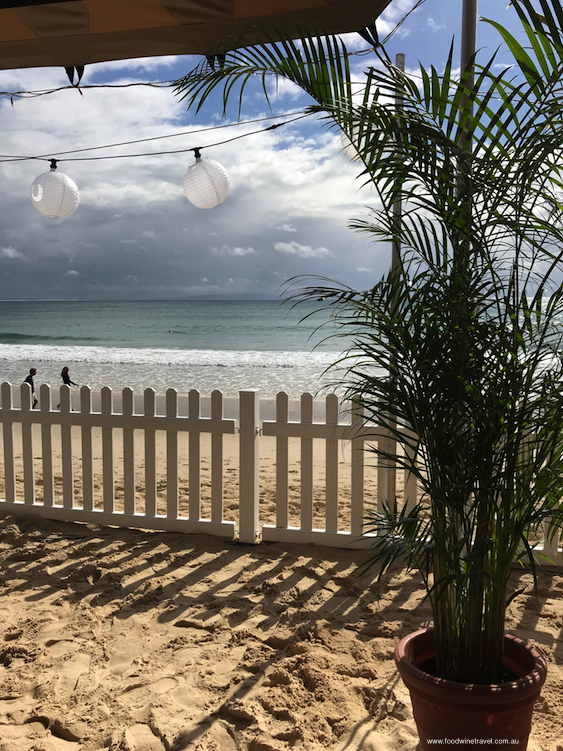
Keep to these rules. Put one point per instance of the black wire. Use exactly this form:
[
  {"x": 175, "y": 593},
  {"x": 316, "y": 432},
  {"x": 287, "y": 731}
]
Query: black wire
[
  {"x": 155, "y": 153},
  {"x": 163, "y": 84},
  {"x": 157, "y": 138},
  {"x": 183, "y": 151},
  {"x": 401, "y": 22}
]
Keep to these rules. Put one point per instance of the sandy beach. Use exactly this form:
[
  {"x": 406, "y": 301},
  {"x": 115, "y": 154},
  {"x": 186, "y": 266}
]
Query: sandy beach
[
  {"x": 145, "y": 641},
  {"x": 132, "y": 640}
]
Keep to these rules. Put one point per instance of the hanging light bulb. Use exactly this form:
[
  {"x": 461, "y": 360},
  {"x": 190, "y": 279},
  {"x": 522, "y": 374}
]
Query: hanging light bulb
[
  {"x": 347, "y": 144},
  {"x": 360, "y": 136},
  {"x": 54, "y": 194},
  {"x": 206, "y": 183}
]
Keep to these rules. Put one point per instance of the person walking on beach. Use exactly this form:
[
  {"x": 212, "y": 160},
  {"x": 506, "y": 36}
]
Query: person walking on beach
[
  {"x": 29, "y": 379},
  {"x": 66, "y": 380}
]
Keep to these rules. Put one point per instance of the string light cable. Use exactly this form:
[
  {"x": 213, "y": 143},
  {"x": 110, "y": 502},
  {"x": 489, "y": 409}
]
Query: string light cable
[
  {"x": 13, "y": 95},
  {"x": 34, "y": 94},
  {"x": 401, "y": 22},
  {"x": 44, "y": 92},
  {"x": 299, "y": 115}
]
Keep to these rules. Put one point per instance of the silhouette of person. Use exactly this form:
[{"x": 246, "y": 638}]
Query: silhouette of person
[
  {"x": 66, "y": 380},
  {"x": 29, "y": 379}
]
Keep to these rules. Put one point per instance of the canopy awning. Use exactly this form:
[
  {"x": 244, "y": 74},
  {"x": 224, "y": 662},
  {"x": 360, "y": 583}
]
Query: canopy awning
[{"x": 36, "y": 33}]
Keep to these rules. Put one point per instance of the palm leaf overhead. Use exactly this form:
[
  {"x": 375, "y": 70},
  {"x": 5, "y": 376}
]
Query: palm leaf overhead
[
  {"x": 458, "y": 353},
  {"x": 318, "y": 66}
]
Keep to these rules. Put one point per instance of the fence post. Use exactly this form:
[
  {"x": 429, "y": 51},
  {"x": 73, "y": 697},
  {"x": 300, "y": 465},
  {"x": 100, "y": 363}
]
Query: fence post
[
  {"x": 411, "y": 483},
  {"x": 108, "y": 484},
  {"x": 47, "y": 447},
  {"x": 307, "y": 407},
  {"x": 194, "y": 458},
  {"x": 357, "y": 452},
  {"x": 386, "y": 469},
  {"x": 8, "y": 446},
  {"x": 150, "y": 455},
  {"x": 331, "y": 466},
  {"x": 65, "y": 398},
  {"x": 217, "y": 479},
  {"x": 129, "y": 500},
  {"x": 27, "y": 447},
  {"x": 87, "y": 455},
  {"x": 172, "y": 493},
  {"x": 249, "y": 465},
  {"x": 282, "y": 464}
]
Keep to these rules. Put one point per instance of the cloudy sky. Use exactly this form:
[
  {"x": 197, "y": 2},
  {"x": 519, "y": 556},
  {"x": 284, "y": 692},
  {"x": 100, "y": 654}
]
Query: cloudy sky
[{"x": 135, "y": 236}]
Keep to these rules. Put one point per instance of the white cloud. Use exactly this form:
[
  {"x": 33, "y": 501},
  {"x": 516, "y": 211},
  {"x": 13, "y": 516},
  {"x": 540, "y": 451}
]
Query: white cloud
[
  {"x": 284, "y": 89},
  {"x": 205, "y": 279},
  {"x": 226, "y": 250},
  {"x": 139, "y": 63},
  {"x": 10, "y": 252},
  {"x": 72, "y": 272},
  {"x": 286, "y": 228},
  {"x": 303, "y": 251},
  {"x": 433, "y": 26}
]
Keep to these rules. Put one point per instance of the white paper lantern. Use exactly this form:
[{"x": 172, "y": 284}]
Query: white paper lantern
[
  {"x": 54, "y": 194},
  {"x": 206, "y": 183},
  {"x": 349, "y": 146}
]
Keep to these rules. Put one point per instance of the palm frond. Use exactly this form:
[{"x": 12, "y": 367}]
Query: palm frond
[{"x": 456, "y": 353}]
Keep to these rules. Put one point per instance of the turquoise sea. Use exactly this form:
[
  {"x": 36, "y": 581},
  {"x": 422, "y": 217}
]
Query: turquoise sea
[{"x": 227, "y": 345}]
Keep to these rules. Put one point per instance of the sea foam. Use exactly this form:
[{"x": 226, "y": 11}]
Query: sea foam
[{"x": 161, "y": 368}]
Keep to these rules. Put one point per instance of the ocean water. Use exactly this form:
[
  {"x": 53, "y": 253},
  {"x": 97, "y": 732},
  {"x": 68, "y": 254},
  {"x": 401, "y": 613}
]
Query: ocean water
[{"x": 228, "y": 345}]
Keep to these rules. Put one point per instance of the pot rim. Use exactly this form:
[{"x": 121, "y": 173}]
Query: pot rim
[{"x": 532, "y": 681}]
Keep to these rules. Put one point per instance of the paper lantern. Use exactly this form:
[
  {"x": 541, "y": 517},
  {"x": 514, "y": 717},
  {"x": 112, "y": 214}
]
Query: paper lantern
[
  {"x": 206, "y": 183},
  {"x": 350, "y": 147},
  {"x": 54, "y": 194},
  {"x": 347, "y": 144}
]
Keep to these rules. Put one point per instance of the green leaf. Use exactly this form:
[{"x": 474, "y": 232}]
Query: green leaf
[{"x": 522, "y": 58}]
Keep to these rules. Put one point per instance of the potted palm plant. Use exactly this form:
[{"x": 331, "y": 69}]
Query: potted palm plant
[{"x": 458, "y": 351}]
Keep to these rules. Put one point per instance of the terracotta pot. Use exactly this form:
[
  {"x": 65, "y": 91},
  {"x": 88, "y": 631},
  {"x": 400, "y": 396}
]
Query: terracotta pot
[{"x": 496, "y": 714}]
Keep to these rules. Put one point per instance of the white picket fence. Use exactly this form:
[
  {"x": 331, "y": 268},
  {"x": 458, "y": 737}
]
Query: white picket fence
[
  {"x": 332, "y": 432},
  {"x": 140, "y": 510}
]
